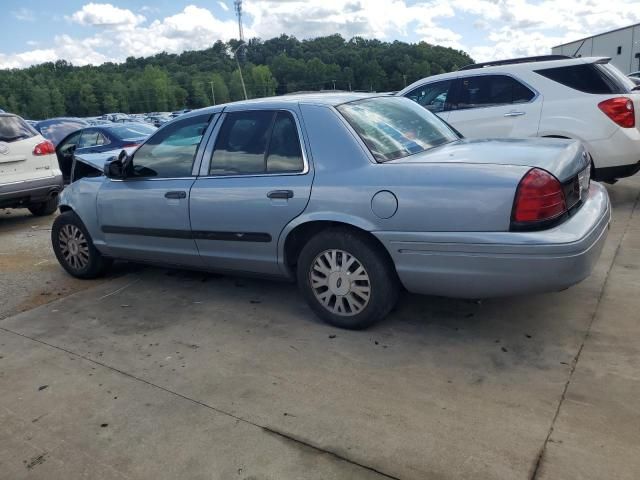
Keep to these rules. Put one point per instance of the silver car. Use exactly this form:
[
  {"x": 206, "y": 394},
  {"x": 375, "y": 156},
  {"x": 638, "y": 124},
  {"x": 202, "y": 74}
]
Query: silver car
[{"x": 355, "y": 196}]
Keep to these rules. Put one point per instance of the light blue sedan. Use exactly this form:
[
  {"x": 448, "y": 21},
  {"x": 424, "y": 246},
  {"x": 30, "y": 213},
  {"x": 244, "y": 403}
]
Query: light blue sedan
[{"x": 355, "y": 196}]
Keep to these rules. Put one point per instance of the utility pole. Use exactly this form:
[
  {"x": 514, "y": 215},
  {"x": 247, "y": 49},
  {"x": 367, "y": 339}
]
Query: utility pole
[
  {"x": 235, "y": 54},
  {"x": 237, "y": 5},
  {"x": 213, "y": 95},
  {"x": 334, "y": 84}
]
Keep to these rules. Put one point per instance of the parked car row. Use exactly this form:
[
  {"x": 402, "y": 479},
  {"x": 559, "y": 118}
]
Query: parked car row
[{"x": 356, "y": 196}]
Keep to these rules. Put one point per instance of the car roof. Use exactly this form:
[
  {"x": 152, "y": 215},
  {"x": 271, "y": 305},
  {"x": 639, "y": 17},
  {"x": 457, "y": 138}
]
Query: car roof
[
  {"x": 507, "y": 67},
  {"x": 316, "y": 98},
  {"x": 64, "y": 119}
]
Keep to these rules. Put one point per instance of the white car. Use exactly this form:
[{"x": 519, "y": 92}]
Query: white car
[
  {"x": 584, "y": 99},
  {"x": 30, "y": 176}
]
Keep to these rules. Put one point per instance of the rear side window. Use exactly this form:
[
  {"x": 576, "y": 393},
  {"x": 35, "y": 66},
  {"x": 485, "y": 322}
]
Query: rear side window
[
  {"x": 490, "y": 91},
  {"x": 587, "y": 78},
  {"x": 257, "y": 142},
  {"x": 13, "y": 129},
  {"x": 284, "y": 154}
]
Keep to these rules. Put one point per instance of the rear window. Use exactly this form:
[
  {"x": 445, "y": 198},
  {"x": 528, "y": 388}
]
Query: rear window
[
  {"x": 395, "y": 127},
  {"x": 132, "y": 131},
  {"x": 56, "y": 130},
  {"x": 587, "y": 78},
  {"x": 13, "y": 129}
]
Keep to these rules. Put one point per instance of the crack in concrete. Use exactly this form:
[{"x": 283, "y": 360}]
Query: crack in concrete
[
  {"x": 304, "y": 443},
  {"x": 539, "y": 459},
  {"x": 263, "y": 428}
]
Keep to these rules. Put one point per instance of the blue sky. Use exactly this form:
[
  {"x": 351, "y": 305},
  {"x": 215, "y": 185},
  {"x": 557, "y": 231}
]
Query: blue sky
[{"x": 85, "y": 32}]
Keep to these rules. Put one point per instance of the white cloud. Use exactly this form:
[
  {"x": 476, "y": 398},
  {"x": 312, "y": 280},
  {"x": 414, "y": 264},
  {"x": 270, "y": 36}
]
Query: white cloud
[
  {"x": 487, "y": 29},
  {"x": 24, "y": 14},
  {"x": 520, "y": 27},
  {"x": 105, "y": 14}
]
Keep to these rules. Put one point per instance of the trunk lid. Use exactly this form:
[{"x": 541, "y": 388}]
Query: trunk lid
[{"x": 562, "y": 158}]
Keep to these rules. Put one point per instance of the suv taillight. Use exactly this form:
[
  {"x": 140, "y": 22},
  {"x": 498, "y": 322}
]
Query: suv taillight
[
  {"x": 539, "y": 199},
  {"x": 620, "y": 110},
  {"x": 44, "y": 148}
]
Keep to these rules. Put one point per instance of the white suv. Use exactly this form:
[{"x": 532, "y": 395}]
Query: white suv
[
  {"x": 29, "y": 173},
  {"x": 585, "y": 99}
]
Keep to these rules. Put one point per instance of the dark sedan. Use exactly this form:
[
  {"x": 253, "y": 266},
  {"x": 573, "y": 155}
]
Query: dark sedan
[{"x": 100, "y": 138}]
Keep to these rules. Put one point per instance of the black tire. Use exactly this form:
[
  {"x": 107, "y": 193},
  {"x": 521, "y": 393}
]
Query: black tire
[
  {"x": 44, "y": 208},
  {"x": 90, "y": 262},
  {"x": 378, "y": 268}
]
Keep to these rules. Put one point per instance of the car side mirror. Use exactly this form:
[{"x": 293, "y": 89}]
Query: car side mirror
[{"x": 117, "y": 167}]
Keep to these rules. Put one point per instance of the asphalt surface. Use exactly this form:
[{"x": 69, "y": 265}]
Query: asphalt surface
[{"x": 157, "y": 373}]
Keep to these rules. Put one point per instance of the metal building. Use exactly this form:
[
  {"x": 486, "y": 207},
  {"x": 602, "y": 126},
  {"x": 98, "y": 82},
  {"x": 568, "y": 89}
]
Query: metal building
[{"x": 622, "y": 45}]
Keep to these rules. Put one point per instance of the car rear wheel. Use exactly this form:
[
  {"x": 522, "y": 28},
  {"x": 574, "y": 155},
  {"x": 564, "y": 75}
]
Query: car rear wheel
[
  {"x": 347, "y": 279},
  {"x": 74, "y": 248},
  {"x": 44, "y": 208}
]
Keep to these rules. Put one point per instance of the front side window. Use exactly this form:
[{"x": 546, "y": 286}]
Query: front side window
[
  {"x": 393, "y": 127},
  {"x": 171, "y": 151},
  {"x": 490, "y": 91},
  {"x": 257, "y": 142},
  {"x": 432, "y": 96}
]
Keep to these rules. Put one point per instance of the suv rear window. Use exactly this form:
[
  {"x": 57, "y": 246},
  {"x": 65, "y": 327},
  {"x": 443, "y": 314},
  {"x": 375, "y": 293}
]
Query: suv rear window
[
  {"x": 14, "y": 128},
  {"x": 587, "y": 78}
]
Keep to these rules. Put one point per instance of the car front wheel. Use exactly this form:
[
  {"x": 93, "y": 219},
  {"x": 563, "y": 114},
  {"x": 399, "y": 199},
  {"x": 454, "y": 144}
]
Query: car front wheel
[
  {"x": 44, "y": 208},
  {"x": 347, "y": 279},
  {"x": 74, "y": 248}
]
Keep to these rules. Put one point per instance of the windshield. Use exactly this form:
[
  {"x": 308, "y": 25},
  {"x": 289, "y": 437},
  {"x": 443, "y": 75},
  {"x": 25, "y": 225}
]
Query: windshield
[
  {"x": 132, "y": 130},
  {"x": 393, "y": 127},
  {"x": 13, "y": 129}
]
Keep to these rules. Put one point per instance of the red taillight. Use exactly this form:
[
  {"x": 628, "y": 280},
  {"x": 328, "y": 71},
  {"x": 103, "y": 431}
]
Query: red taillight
[
  {"x": 620, "y": 110},
  {"x": 539, "y": 197},
  {"x": 129, "y": 145},
  {"x": 44, "y": 148}
]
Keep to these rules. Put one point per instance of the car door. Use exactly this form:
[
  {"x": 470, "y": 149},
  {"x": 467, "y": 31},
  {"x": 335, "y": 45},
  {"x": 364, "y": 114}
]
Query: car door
[
  {"x": 495, "y": 106},
  {"x": 256, "y": 178},
  {"x": 434, "y": 97},
  {"x": 146, "y": 215},
  {"x": 64, "y": 151}
]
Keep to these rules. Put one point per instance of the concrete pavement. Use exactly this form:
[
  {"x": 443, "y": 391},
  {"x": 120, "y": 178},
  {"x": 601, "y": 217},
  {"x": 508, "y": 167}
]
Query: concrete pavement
[{"x": 202, "y": 376}]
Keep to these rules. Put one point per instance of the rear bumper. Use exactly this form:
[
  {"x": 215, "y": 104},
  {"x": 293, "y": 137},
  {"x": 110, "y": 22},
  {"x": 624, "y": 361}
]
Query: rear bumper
[
  {"x": 23, "y": 193},
  {"x": 616, "y": 156},
  {"x": 610, "y": 174},
  {"x": 495, "y": 264}
]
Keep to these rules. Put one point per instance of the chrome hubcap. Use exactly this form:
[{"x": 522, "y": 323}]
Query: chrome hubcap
[
  {"x": 340, "y": 282},
  {"x": 74, "y": 247}
]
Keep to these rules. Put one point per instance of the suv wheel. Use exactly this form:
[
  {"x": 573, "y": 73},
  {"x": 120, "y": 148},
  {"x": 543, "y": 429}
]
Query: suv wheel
[
  {"x": 346, "y": 279},
  {"x": 74, "y": 248},
  {"x": 44, "y": 208}
]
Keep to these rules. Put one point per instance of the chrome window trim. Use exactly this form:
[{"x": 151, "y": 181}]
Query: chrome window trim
[{"x": 204, "y": 168}]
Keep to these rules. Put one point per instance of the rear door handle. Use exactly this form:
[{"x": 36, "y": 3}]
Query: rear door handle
[
  {"x": 283, "y": 194},
  {"x": 175, "y": 195},
  {"x": 514, "y": 114}
]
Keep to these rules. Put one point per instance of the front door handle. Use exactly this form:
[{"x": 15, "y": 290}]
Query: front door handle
[
  {"x": 515, "y": 114},
  {"x": 175, "y": 195},
  {"x": 283, "y": 194}
]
